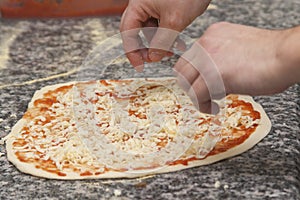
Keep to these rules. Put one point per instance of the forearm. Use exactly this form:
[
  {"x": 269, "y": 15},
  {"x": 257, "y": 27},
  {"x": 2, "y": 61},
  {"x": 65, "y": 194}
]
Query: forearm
[{"x": 289, "y": 55}]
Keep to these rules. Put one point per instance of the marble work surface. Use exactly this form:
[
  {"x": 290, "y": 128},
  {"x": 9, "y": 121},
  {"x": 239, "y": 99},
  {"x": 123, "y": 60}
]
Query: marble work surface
[{"x": 36, "y": 53}]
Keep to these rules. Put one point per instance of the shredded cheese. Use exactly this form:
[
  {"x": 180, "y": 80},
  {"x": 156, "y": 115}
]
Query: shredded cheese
[{"x": 124, "y": 125}]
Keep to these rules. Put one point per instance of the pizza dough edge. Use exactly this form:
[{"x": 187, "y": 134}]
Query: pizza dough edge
[{"x": 261, "y": 131}]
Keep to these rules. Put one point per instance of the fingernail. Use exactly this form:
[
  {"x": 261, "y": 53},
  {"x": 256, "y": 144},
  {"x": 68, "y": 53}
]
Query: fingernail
[{"x": 156, "y": 56}]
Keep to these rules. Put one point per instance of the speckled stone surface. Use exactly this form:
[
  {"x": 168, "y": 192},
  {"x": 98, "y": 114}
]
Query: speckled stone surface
[{"x": 37, "y": 53}]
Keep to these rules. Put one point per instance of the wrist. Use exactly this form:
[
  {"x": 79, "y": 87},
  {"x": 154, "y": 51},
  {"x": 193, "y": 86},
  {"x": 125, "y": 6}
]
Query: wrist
[{"x": 289, "y": 56}]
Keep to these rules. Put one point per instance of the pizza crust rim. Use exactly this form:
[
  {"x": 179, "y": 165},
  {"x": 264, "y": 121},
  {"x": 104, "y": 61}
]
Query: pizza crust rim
[{"x": 260, "y": 132}]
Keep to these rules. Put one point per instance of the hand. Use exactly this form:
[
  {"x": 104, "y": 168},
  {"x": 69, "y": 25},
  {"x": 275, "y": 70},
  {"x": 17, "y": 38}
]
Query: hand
[
  {"x": 171, "y": 15},
  {"x": 248, "y": 59}
]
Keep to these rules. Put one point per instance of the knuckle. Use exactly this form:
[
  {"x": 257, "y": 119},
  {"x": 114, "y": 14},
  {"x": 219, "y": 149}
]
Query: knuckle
[
  {"x": 176, "y": 22},
  {"x": 217, "y": 26},
  {"x": 204, "y": 40}
]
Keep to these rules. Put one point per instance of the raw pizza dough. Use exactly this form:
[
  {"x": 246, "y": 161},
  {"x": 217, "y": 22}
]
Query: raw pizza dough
[{"x": 47, "y": 141}]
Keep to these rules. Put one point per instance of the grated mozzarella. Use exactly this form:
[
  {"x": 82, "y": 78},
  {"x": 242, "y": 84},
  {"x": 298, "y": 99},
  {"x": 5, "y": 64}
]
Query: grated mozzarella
[{"x": 125, "y": 125}]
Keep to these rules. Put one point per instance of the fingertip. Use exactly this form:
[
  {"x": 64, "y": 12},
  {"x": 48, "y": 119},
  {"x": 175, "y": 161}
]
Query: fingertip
[
  {"x": 135, "y": 58},
  {"x": 215, "y": 108},
  {"x": 169, "y": 54},
  {"x": 209, "y": 107},
  {"x": 205, "y": 107},
  {"x": 145, "y": 55},
  {"x": 162, "y": 43},
  {"x": 139, "y": 68},
  {"x": 156, "y": 56}
]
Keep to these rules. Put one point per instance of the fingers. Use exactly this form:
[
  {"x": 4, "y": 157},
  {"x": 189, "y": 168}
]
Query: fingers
[
  {"x": 199, "y": 94},
  {"x": 134, "y": 49},
  {"x": 159, "y": 47},
  {"x": 201, "y": 98},
  {"x": 137, "y": 58},
  {"x": 200, "y": 78},
  {"x": 131, "y": 23},
  {"x": 161, "y": 43},
  {"x": 160, "y": 40},
  {"x": 150, "y": 30},
  {"x": 186, "y": 71},
  {"x": 151, "y": 26},
  {"x": 197, "y": 91}
]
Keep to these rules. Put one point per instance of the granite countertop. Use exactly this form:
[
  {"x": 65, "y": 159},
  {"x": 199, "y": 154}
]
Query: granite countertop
[{"x": 36, "y": 53}]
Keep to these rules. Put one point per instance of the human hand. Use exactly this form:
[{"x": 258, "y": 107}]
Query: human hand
[
  {"x": 249, "y": 60},
  {"x": 169, "y": 15}
]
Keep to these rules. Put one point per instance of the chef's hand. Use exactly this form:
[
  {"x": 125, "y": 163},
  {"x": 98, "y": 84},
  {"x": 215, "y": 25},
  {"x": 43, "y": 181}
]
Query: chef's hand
[
  {"x": 250, "y": 61},
  {"x": 166, "y": 14}
]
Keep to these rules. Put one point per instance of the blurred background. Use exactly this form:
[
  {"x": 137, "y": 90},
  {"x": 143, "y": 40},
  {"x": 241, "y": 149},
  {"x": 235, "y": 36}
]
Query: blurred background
[{"x": 60, "y": 8}]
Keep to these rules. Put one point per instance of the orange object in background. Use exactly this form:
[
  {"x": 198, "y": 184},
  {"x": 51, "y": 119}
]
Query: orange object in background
[{"x": 60, "y": 8}]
